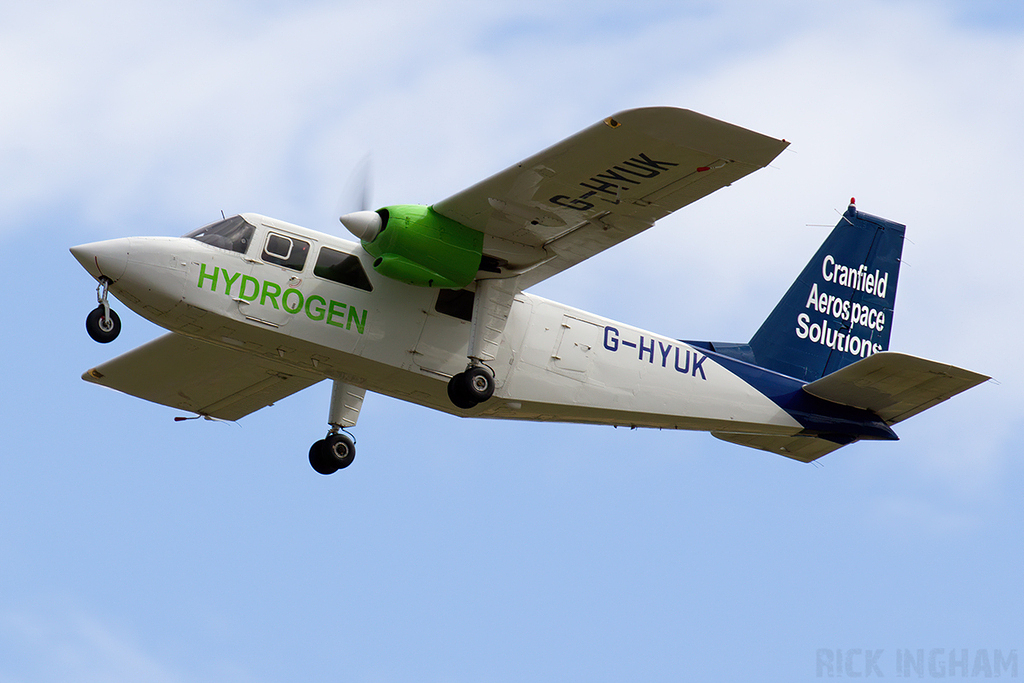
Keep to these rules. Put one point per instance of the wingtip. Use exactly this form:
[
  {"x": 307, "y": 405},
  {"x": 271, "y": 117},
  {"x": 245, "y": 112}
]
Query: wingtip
[{"x": 92, "y": 375}]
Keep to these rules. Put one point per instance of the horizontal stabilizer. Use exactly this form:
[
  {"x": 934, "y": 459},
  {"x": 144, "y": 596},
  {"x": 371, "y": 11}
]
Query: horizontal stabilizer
[
  {"x": 802, "y": 448},
  {"x": 198, "y": 377},
  {"x": 894, "y": 386}
]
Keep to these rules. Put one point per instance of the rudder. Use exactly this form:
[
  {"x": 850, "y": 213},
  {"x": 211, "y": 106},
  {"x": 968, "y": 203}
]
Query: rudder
[{"x": 840, "y": 309}]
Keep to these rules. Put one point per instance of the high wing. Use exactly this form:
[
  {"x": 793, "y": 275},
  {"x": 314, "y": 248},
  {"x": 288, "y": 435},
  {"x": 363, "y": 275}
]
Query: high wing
[
  {"x": 192, "y": 375},
  {"x": 603, "y": 185}
]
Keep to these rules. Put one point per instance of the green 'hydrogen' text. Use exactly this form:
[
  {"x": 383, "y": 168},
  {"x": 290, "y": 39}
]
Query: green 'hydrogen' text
[{"x": 289, "y": 300}]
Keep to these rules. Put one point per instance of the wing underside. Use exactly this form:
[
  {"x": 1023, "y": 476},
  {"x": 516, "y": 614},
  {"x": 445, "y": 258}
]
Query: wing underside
[
  {"x": 198, "y": 377},
  {"x": 603, "y": 185}
]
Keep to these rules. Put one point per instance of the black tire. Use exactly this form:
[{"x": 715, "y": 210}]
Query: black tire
[
  {"x": 100, "y": 329},
  {"x": 457, "y": 392},
  {"x": 341, "y": 449},
  {"x": 320, "y": 458},
  {"x": 478, "y": 384}
]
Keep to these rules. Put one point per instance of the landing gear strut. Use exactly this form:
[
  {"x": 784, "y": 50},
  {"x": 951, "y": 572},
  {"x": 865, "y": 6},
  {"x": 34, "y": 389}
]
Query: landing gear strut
[
  {"x": 492, "y": 303},
  {"x": 337, "y": 450},
  {"x": 102, "y": 323}
]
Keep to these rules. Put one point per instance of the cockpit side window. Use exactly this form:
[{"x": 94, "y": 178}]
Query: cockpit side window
[
  {"x": 233, "y": 234},
  {"x": 285, "y": 251},
  {"x": 342, "y": 268}
]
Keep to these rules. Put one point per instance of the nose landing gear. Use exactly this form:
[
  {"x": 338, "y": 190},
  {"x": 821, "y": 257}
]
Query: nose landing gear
[{"x": 103, "y": 324}]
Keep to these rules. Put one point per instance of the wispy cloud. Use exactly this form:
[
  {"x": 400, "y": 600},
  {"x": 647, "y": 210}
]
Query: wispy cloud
[{"x": 50, "y": 646}]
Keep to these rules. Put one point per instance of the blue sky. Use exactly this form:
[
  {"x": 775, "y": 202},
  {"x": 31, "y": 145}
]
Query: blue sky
[{"x": 136, "y": 548}]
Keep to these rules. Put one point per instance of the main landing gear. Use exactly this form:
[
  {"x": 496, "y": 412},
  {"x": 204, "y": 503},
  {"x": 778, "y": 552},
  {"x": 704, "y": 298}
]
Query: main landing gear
[
  {"x": 492, "y": 303},
  {"x": 470, "y": 388},
  {"x": 337, "y": 450},
  {"x": 102, "y": 323}
]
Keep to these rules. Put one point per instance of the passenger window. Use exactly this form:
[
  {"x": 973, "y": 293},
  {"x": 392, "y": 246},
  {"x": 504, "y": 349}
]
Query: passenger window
[
  {"x": 342, "y": 268},
  {"x": 457, "y": 303},
  {"x": 285, "y": 251},
  {"x": 233, "y": 234}
]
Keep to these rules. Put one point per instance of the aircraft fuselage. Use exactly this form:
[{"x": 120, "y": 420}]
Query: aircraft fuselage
[{"x": 554, "y": 363}]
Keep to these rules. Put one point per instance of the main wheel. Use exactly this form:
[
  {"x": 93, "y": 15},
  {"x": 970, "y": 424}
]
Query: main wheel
[
  {"x": 478, "y": 383},
  {"x": 342, "y": 449},
  {"x": 334, "y": 453},
  {"x": 320, "y": 459},
  {"x": 458, "y": 394},
  {"x": 101, "y": 328}
]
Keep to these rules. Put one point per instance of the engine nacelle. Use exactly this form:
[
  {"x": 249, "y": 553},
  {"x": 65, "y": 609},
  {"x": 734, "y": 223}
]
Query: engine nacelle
[{"x": 416, "y": 245}]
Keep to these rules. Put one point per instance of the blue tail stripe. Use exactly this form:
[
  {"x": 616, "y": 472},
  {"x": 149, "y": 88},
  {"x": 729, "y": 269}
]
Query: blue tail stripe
[{"x": 817, "y": 416}]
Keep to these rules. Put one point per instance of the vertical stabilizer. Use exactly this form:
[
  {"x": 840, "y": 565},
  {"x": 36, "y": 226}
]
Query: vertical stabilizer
[{"x": 840, "y": 309}]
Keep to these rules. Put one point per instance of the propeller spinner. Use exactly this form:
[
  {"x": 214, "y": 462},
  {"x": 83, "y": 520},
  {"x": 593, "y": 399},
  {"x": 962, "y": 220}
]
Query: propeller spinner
[{"x": 365, "y": 225}]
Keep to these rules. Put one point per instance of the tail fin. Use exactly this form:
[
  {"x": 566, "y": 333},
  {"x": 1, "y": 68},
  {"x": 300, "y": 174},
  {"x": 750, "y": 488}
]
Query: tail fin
[{"x": 840, "y": 309}]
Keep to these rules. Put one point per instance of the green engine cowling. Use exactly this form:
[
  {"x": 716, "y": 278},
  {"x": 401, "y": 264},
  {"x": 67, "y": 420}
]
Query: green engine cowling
[{"x": 419, "y": 246}]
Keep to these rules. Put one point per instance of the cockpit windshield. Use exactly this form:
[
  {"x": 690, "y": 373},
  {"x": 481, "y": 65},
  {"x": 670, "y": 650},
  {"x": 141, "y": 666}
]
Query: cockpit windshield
[{"x": 233, "y": 234}]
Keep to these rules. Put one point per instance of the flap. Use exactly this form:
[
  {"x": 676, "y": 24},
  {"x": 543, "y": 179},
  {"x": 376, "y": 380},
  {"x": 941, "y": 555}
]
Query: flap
[
  {"x": 603, "y": 185},
  {"x": 894, "y": 386},
  {"x": 198, "y": 377}
]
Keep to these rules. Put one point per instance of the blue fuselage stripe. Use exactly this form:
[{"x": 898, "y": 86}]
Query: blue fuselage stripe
[{"x": 818, "y": 416}]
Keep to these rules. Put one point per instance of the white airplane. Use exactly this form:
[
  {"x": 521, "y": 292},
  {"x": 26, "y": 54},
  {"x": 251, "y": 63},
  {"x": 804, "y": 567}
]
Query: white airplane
[{"x": 430, "y": 307}]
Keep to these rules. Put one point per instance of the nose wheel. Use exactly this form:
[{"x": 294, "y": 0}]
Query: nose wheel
[{"x": 103, "y": 324}]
